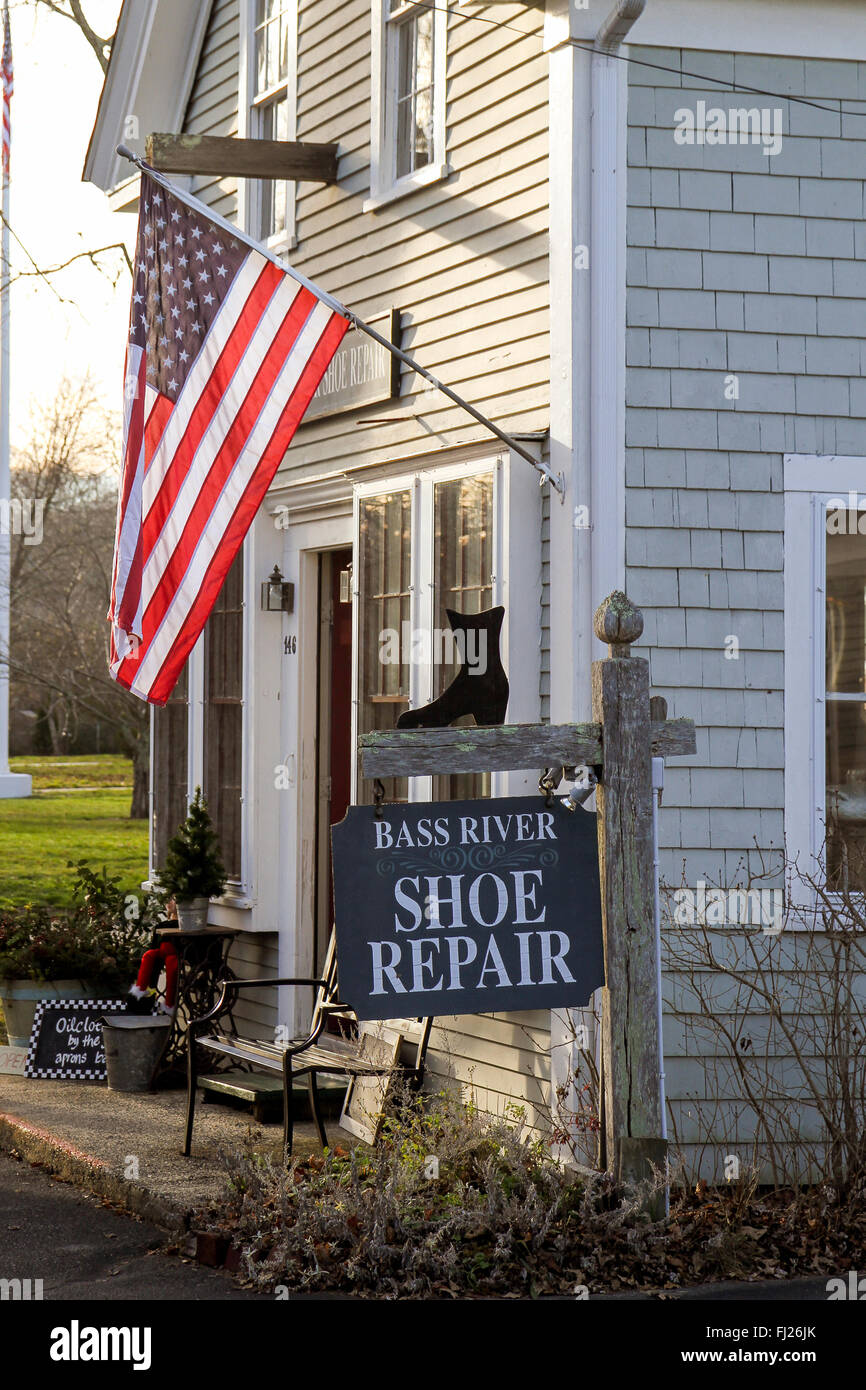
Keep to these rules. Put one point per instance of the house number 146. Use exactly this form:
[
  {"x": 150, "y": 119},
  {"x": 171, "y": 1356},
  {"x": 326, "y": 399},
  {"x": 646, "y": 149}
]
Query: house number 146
[{"x": 290, "y": 646}]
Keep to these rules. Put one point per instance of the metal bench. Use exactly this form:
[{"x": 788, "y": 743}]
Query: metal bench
[{"x": 311, "y": 1056}]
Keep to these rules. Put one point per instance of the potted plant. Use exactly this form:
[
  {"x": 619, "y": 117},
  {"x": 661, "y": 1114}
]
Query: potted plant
[
  {"x": 193, "y": 872},
  {"x": 86, "y": 952}
]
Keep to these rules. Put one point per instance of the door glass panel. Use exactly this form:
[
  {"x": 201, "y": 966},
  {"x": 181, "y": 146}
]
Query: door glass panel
[
  {"x": 463, "y": 581},
  {"x": 385, "y": 621}
]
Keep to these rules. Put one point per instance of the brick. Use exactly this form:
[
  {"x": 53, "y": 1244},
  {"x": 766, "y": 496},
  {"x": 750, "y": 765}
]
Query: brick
[
  {"x": 665, "y": 468},
  {"x": 822, "y": 395},
  {"x": 706, "y": 469},
  {"x": 641, "y": 428},
  {"x": 679, "y": 429},
  {"x": 696, "y": 390},
  {"x": 751, "y": 472},
  {"x": 642, "y": 307},
  {"x": 685, "y": 308},
  {"x": 637, "y": 353},
  {"x": 762, "y": 550},
  {"x": 843, "y": 159},
  {"x": 731, "y": 231},
  {"x": 634, "y": 475},
  {"x": 732, "y": 550},
  {"x": 665, "y": 347},
  {"x": 682, "y": 228},
  {"x": 639, "y": 188},
  {"x": 729, "y": 310},
  {"x": 826, "y": 236},
  {"x": 781, "y": 313},
  {"x": 792, "y": 353},
  {"x": 780, "y": 235},
  {"x": 703, "y": 350},
  {"x": 833, "y": 198},
  {"x": 833, "y": 78},
  {"x": 728, "y": 270},
  {"x": 801, "y": 275},
  {"x": 654, "y": 586},
  {"x": 706, "y": 189},
  {"x": 641, "y": 227},
  {"x": 849, "y": 279},
  {"x": 664, "y": 188},
  {"x": 764, "y": 788},
  {"x": 673, "y": 269},
  {"x": 782, "y": 76},
  {"x": 774, "y": 193},
  {"x": 739, "y": 431},
  {"x": 692, "y": 508},
  {"x": 833, "y": 357},
  {"x": 635, "y": 267},
  {"x": 636, "y": 147}
]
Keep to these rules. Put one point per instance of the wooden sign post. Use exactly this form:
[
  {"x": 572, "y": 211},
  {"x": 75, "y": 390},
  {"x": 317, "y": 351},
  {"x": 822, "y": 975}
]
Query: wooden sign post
[{"x": 619, "y": 744}]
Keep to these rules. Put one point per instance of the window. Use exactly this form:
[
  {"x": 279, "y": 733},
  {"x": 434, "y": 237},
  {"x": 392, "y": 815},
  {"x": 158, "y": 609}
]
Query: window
[
  {"x": 424, "y": 546},
  {"x": 223, "y": 716},
  {"x": 408, "y": 107},
  {"x": 825, "y": 668},
  {"x": 268, "y": 107},
  {"x": 170, "y": 758}
]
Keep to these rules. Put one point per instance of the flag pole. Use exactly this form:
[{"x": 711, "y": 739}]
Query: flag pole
[
  {"x": 555, "y": 479},
  {"x": 11, "y": 784}
]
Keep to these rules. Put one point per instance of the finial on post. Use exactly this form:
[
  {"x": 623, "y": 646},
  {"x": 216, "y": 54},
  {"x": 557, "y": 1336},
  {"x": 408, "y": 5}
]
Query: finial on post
[{"x": 618, "y": 622}]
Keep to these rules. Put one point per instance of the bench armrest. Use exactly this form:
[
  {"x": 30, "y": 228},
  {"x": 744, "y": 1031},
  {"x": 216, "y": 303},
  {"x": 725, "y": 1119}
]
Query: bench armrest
[{"x": 230, "y": 987}]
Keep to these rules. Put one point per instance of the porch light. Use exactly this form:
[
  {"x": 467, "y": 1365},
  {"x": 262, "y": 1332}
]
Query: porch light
[{"x": 278, "y": 594}]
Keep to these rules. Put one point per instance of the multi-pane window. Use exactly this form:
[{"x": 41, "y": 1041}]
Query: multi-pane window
[
  {"x": 170, "y": 753},
  {"x": 385, "y": 524},
  {"x": 463, "y": 582},
  {"x": 413, "y": 564},
  {"x": 845, "y": 696},
  {"x": 223, "y": 716},
  {"x": 410, "y": 62},
  {"x": 273, "y": 52}
]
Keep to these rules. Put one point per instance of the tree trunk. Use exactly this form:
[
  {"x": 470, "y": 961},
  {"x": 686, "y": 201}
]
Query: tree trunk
[{"x": 140, "y": 785}]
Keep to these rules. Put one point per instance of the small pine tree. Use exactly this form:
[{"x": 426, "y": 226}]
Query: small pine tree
[{"x": 193, "y": 864}]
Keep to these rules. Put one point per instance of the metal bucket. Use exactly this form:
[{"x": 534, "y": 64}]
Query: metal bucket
[
  {"x": 20, "y": 997},
  {"x": 133, "y": 1046}
]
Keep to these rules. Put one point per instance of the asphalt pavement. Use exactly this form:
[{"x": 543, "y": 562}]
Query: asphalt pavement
[{"x": 82, "y": 1249}]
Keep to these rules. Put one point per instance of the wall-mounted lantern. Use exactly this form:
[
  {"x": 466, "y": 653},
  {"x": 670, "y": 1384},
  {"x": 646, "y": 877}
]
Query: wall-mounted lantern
[{"x": 278, "y": 594}]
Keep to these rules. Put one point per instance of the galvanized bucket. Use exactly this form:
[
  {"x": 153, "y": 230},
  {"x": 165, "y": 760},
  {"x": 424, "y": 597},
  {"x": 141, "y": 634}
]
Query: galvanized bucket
[{"x": 133, "y": 1046}]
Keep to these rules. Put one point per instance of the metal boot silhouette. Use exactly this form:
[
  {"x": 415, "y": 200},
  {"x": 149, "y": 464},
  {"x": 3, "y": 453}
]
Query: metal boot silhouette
[{"x": 483, "y": 694}]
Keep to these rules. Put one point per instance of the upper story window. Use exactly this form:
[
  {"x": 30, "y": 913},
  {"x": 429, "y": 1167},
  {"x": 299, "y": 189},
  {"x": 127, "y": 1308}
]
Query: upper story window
[
  {"x": 269, "y": 110},
  {"x": 408, "y": 98}
]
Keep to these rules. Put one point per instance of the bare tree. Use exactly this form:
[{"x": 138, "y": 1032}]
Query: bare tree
[
  {"x": 73, "y": 10},
  {"x": 60, "y": 587}
]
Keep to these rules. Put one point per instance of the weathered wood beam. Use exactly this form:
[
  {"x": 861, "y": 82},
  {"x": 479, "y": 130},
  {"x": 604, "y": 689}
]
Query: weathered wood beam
[
  {"x": 504, "y": 748},
  {"x": 244, "y": 159}
]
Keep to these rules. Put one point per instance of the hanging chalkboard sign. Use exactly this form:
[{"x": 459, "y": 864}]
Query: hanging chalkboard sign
[
  {"x": 66, "y": 1041},
  {"x": 467, "y": 907}
]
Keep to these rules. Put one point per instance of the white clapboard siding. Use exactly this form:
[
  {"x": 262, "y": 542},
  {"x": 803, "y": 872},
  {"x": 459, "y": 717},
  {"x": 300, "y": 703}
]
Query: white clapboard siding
[
  {"x": 253, "y": 956},
  {"x": 466, "y": 261}
]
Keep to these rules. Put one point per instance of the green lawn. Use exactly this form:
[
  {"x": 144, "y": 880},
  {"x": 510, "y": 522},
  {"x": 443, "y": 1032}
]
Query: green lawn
[{"x": 40, "y": 834}]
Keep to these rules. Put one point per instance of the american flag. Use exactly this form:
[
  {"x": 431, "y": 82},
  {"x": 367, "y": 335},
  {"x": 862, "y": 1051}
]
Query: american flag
[
  {"x": 226, "y": 349},
  {"x": 8, "y": 89}
]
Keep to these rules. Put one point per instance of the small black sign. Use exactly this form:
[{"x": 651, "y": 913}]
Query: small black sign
[
  {"x": 467, "y": 907},
  {"x": 361, "y": 372},
  {"x": 66, "y": 1041}
]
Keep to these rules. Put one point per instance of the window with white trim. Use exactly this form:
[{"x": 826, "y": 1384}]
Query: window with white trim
[
  {"x": 444, "y": 538},
  {"x": 268, "y": 111},
  {"x": 825, "y": 669},
  {"x": 408, "y": 98}
]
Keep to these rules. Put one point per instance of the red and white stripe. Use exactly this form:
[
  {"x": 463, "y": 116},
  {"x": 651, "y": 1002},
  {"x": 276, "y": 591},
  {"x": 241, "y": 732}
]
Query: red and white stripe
[
  {"x": 8, "y": 89},
  {"x": 195, "y": 471}
]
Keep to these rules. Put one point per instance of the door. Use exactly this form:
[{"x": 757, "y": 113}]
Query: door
[{"x": 334, "y": 742}]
